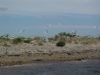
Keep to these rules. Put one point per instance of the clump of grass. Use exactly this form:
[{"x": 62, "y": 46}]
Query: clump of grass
[
  {"x": 60, "y": 43},
  {"x": 5, "y": 40},
  {"x": 27, "y": 40},
  {"x": 39, "y": 40},
  {"x": 98, "y": 37},
  {"x": 21, "y": 40},
  {"x": 17, "y": 40}
]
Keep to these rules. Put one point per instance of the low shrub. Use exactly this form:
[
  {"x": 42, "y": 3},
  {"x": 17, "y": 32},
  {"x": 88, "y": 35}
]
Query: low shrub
[
  {"x": 17, "y": 40},
  {"x": 28, "y": 40},
  {"x": 39, "y": 39},
  {"x": 60, "y": 43},
  {"x": 98, "y": 37}
]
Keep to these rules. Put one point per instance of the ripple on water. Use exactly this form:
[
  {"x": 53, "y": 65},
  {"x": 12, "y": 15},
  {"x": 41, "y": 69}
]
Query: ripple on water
[{"x": 63, "y": 68}]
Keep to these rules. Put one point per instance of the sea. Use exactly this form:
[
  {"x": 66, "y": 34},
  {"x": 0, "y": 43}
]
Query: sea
[{"x": 84, "y": 67}]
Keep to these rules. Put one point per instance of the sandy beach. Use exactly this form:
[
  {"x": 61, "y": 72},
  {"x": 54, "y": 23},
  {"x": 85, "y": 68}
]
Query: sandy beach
[{"x": 29, "y": 53}]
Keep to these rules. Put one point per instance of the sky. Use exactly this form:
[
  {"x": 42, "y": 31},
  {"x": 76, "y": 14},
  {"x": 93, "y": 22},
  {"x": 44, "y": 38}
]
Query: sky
[{"x": 47, "y": 17}]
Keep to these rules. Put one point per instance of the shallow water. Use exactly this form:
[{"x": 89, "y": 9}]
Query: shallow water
[{"x": 91, "y": 67}]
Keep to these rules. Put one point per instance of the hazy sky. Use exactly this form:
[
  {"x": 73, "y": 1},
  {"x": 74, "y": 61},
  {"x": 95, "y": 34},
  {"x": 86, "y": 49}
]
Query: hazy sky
[
  {"x": 30, "y": 7},
  {"x": 27, "y": 15}
]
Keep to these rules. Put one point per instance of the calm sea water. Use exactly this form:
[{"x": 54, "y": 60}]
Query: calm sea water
[
  {"x": 91, "y": 67},
  {"x": 49, "y": 25}
]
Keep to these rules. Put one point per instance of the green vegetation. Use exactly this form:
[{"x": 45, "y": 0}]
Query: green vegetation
[
  {"x": 73, "y": 38},
  {"x": 5, "y": 37},
  {"x": 60, "y": 43},
  {"x": 27, "y": 40},
  {"x": 38, "y": 38},
  {"x": 98, "y": 37},
  {"x": 21, "y": 40},
  {"x": 59, "y": 40},
  {"x": 67, "y": 38},
  {"x": 17, "y": 40},
  {"x": 65, "y": 35}
]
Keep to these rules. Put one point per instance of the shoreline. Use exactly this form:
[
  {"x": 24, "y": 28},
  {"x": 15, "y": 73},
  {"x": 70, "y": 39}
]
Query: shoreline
[
  {"x": 28, "y": 53},
  {"x": 51, "y": 57},
  {"x": 49, "y": 63}
]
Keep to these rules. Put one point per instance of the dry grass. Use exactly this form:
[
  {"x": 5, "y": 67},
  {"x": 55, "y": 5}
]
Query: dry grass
[
  {"x": 85, "y": 40},
  {"x": 51, "y": 56}
]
